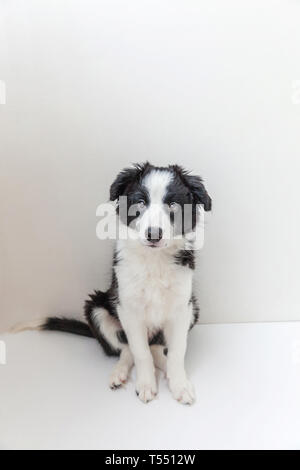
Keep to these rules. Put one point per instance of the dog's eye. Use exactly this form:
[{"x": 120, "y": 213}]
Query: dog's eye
[
  {"x": 141, "y": 204},
  {"x": 173, "y": 206}
]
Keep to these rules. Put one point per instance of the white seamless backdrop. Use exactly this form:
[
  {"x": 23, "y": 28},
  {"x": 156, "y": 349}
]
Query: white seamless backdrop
[{"x": 92, "y": 86}]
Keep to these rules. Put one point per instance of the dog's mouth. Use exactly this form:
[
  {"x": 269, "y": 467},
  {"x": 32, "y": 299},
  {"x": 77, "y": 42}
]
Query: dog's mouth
[{"x": 160, "y": 244}]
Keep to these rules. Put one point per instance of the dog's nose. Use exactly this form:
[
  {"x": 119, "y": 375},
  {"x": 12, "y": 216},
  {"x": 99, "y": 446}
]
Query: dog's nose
[{"x": 154, "y": 234}]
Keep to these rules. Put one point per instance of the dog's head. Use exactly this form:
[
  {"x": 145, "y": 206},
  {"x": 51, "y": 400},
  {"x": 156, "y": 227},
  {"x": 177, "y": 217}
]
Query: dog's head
[{"x": 159, "y": 204}]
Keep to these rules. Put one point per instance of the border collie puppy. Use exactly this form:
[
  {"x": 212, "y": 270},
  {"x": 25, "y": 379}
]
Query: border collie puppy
[{"x": 145, "y": 315}]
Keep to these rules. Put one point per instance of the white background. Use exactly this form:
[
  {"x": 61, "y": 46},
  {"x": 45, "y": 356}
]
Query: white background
[{"x": 92, "y": 86}]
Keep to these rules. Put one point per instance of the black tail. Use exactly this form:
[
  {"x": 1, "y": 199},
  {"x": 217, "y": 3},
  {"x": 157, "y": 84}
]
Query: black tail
[{"x": 67, "y": 325}]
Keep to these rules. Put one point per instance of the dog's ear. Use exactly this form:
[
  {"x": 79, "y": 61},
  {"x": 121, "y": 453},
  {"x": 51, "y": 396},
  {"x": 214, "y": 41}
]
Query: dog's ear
[
  {"x": 125, "y": 178},
  {"x": 195, "y": 185},
  {"x": 122, "y": 181},
  {"x": 199, "y": 192}
]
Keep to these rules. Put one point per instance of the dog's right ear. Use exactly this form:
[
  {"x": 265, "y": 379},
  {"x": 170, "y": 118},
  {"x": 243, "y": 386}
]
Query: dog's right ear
[
  {"x": 125, "y": 178},
  {"x": 122, "y": 181}
]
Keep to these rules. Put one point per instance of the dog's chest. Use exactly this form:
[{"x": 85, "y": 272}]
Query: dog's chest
[{"x": 153, "y": 286}]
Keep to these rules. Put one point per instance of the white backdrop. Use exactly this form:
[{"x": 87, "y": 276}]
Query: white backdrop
[{"x": 94, "y": 85}]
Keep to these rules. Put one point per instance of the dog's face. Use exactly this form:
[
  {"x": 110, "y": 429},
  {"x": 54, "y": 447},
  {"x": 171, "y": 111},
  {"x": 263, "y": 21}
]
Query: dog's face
[{"x": 160, "y": 204}]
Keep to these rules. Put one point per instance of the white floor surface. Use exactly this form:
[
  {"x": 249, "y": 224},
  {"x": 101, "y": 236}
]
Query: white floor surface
[{"x": 54, "y": 394}]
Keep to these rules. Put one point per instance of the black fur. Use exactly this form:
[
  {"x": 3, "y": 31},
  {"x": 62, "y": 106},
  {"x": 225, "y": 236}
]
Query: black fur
[
  {"x": 121, "y": 335},
  {"x": 127, "y": 179},
  {"x": 196, "y": 310},
  {"x": 158, "y": 338},
  {"x": 129, "y": 183},
  {"x": 67, "y": 325},
  {"x": 187, "y": 191},
  {"x": 195, "y": 185},
  {"x": 185, "y": 258},
  {"x": 96, "y": 300}
]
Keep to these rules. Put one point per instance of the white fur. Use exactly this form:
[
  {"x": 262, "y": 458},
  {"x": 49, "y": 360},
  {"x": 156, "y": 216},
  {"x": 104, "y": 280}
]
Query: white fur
[
  {"x": 154, "y": 294},
  {"x": 31, "y": 325},
  {"x": 157, "y": 182},
  {"x": 121, "y": 370},
  {"x": 155, "y": 215},
  {"x": 108, "y": 325}
]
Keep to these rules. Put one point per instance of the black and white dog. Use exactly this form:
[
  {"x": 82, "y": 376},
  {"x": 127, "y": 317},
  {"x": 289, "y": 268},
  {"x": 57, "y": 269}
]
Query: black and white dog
[{"x": 145, "y": 315}]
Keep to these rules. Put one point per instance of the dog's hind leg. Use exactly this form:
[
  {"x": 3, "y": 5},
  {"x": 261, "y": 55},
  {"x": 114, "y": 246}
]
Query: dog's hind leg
[
  {"x": 103, "y": 323},
  {"x": 122, "y": 369},
  {"x": 159, "y": 358},
  {"x": 107, "y": 328}
]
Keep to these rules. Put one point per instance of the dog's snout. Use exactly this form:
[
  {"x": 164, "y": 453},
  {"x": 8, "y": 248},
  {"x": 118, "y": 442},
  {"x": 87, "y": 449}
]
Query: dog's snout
[{"x": 154, "y": 234}]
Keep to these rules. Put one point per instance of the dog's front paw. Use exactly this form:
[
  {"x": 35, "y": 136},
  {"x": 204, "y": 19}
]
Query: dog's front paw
[
  {"x": 146, "y": 390},
  {"x": 118, "y": 377},
  {"x": 182, "y": 390}
]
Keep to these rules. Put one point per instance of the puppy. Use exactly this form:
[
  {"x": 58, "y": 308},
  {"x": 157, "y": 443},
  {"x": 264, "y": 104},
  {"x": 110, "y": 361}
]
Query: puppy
[{"x": 146, "y": 314}]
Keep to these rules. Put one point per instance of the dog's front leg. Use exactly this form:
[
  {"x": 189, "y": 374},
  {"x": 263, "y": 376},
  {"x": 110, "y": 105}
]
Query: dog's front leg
[
  {"x": 137, "y": 336},
  {"x": 176, "y": 332}
]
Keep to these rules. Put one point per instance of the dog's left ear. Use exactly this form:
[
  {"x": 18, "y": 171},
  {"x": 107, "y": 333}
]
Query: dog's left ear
[
  {"x": 199, "y": 192},
  {"x": 195, "y": 185}
]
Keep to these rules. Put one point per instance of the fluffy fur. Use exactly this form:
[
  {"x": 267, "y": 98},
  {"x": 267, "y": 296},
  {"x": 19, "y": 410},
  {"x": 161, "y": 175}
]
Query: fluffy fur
[{"x": 145, "y": 315}]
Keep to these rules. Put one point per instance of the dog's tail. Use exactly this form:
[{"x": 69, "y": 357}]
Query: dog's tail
[{"x": 66, "y": 325}]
